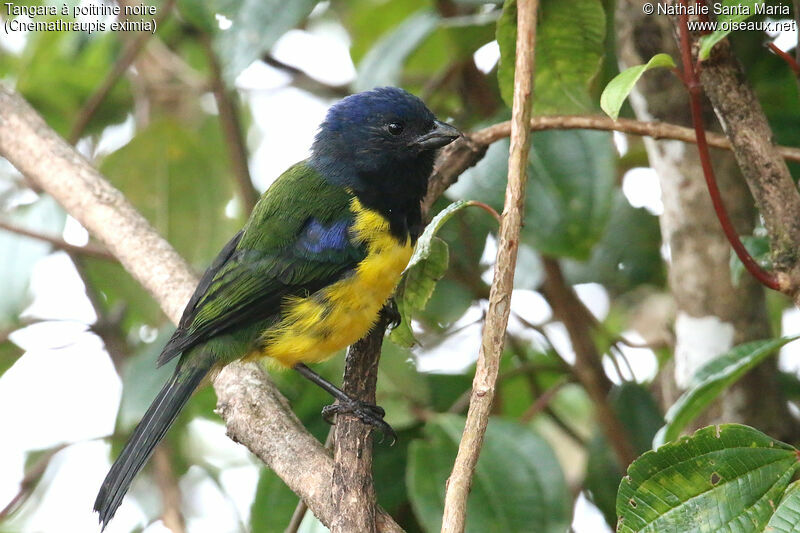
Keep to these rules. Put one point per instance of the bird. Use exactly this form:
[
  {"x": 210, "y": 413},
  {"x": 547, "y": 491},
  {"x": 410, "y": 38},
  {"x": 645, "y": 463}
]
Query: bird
[{"x": 318, "y": 259}]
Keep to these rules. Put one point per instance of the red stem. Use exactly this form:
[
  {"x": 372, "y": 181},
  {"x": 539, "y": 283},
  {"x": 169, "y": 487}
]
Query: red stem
[
  {"x": 694, "y": 88},
  {"x": 792, "y": 62}
]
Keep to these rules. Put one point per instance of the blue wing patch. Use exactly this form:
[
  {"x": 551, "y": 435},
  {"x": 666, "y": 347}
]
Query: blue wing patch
[{"x": 318, "y": 238}]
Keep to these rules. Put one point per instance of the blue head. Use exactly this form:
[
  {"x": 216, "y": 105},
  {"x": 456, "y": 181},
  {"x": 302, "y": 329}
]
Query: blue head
[{"x": 380, "y": 143}]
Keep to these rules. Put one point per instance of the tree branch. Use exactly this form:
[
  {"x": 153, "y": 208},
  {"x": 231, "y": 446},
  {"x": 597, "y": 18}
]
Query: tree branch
[
  {"x": 231, "y": 129},
  {"x": 768, "y": 279},
  {"x": 89, "y": 249},
  {"x": 353, "y": 491},
  {"x": 458, "y": 487},
  {"x": 132, "y": 50},
  {"x": 765, "y": 171},
  {"x": 255, "y": 412}
]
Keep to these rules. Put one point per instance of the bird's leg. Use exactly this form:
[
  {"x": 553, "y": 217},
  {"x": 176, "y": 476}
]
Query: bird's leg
[
  {"x": 392, "y": 313},
  {"x": 370, "y": 414}
]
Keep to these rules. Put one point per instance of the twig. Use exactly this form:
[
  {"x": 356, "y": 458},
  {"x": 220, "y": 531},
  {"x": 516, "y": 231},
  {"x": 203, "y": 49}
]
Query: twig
[
  {"x": 132, "y": 50},
  {"x": 455, "y": 506},
  {"x": 542, "y": 401},
  {"x": 588, "y": 367},
  {"x": 791, "y": 61},
  {"x": 654, "y": 129},
  {"x": 768, "y": 279},
  {"x": 89, "y": 249},
  {"x": 170, "y": 492},
  {"x": 353, "y": 492},
  {"x": 301, "y": 509},
  {"x": 29, "y": 482},
  {"x": 231, "y": 128}
]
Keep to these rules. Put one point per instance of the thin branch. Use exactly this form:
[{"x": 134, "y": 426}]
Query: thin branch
[
  {"x": 654, "y": 129},
  {"x": 353, "y": 492},
  {"x": 791, "y": 61},
  {"x": 768, "y": 279},
  {"x": 132, "y": 50},
  {"x": 588, "y": 367},
  {"x": 301, "y": 509},
  {"x": 89, "y": 249},
  {"x": 168, "y": 486},
  {"x": 29, "y": 482},
  {"x": 231, "y": 128},
  {"x": 543, "y": 400},
  {"x": 455, "y": 506}
]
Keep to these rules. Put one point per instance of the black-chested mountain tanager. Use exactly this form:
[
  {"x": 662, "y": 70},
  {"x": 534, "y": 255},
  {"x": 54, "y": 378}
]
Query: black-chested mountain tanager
[{"x": 308, "y": 274}]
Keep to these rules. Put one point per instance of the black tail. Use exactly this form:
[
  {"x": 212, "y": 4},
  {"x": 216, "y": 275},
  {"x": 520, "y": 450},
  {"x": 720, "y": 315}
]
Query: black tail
[{"x": 158, "y": 418}]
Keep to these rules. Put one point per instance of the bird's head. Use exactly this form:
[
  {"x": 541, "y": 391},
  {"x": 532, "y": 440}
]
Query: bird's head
[{"x": 382, "y": 131}]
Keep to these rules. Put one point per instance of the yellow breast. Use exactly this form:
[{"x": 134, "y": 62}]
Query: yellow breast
[{"x": 317, "y": 326}]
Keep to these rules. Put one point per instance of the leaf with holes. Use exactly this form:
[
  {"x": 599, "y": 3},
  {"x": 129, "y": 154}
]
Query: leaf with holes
[
  {"x": 710, "y": 380},
  {"x": 722, "y": 478},
  {"x": 620, "y": 87}
]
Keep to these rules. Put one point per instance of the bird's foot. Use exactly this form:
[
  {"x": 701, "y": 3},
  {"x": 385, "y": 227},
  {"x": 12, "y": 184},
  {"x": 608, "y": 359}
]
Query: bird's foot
[
  {"x": 392, "y": 313},
  {"x": 369, "y": 414}
]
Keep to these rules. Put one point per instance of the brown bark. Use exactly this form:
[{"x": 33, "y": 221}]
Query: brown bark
[{"x": 699, "y": 272}]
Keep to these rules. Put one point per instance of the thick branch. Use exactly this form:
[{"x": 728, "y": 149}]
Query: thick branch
[
  {"x": 483, "y": 387},
  {"x": 764, "y": 170},
  {"x": 353, "y": 493},
  {"x": 255, "y": 412}
]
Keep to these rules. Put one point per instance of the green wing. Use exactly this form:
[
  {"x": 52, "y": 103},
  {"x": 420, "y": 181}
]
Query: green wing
[{"x": 295, "y": 243}]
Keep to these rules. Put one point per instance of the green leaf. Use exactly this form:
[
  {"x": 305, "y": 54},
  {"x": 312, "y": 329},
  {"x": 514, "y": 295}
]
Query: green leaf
[
  {"x": 734, "y": 11},
  {"x": 518, "y": 481},
  {"x": 257, "y": 25},
  {"x": 44, "y": 216},
  {"x": 722, "y": 478},
  {"x": 416, "y": 287},
  {"x": 787, "y": 516},
  {"x": 620, "y": 87},
  {"x": 627, "y": 256},
  {"x": 178, "y": 177},
  {"x": 571, "y": 182},
  {"x": 273, "y": 505},
  {"x": 713, "y": 378},
  {"x": 569, "y": 50},
  {"x": 383, "y": 64}
]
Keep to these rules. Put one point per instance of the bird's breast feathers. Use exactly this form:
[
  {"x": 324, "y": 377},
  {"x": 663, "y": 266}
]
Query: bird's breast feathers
[{"x": 314, "y": 327}]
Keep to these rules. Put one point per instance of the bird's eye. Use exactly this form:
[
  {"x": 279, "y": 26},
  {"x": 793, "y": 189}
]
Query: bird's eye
[{"x": 395, "y": 128}]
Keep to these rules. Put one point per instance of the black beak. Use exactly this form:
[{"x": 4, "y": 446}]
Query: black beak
[{"x": 441, "y": 135}]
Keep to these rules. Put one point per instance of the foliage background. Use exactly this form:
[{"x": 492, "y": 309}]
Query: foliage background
[{"x": 79, "y": 337}]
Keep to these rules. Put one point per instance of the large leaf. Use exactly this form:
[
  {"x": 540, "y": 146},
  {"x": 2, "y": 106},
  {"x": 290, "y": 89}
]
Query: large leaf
[
  {"x": 711, "y": 379},
  {"x": 722, "y": 478},
  {"x": 620, "y": 87},
  {"x": 571, "y": 182},
  {"x": 383, "y": 64},
  {"x": 257, "y": 25},
  {"x": 787, "y": 516},
  {"x": 518, "y": 481},
  {"x": 21, "y": 253},
  {"x": 59, "y": 71},
  {"x": 569, "y": 50},
  {"x": 179, "y": 180},
  {"x": 627, "y": 256}
]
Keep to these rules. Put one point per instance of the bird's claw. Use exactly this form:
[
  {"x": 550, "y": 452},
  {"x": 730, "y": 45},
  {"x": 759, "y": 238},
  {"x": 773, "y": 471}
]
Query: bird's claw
[
  {"x": 369, "y": 414},
  {"x": 392, "y": 313}
]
